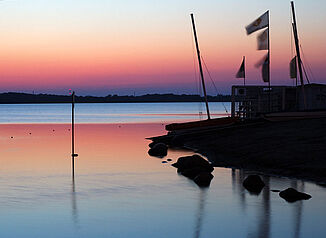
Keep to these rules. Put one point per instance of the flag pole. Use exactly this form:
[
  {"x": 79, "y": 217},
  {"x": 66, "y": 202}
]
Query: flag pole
[{"x": 244, "y": 71}]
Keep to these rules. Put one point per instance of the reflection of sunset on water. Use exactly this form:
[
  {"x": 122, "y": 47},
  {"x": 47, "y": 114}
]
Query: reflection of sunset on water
[
  {"x": 101, "y": 147},
  {"x": 120, "y": 190}
]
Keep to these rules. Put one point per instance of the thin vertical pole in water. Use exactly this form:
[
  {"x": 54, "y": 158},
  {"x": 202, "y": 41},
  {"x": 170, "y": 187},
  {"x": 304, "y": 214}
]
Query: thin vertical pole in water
[
  {"x": 200, "y": 65},
  {"x": 73, "y": 155}
]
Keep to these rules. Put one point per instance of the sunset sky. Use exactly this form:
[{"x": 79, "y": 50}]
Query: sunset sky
[{"x": 100, "y": 47}]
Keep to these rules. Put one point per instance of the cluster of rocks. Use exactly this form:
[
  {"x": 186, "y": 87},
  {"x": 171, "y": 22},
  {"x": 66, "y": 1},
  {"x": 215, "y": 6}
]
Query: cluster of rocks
[
  {"x": 196, "y": 168},
  {"x": 200, "y": 171},
  {"x": 254, "y": 184}
]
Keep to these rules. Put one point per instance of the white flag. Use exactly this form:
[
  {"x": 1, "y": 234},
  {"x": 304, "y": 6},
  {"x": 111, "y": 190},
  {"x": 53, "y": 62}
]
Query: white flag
[
  {"x": 262, "y": 40},
  {"x": 260, "y": 23}
]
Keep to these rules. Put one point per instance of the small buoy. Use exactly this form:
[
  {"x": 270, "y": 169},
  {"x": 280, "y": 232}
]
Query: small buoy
[
  {"x": 68, "y": 129},
  {"x": 30, "y": 133},
  {"x": 53, "y": 130},
  {"x": 11, "y": 137}
]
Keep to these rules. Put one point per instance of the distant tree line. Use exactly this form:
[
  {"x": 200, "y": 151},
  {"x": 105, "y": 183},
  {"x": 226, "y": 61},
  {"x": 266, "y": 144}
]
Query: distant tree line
[{"x": 11, "y": 98}]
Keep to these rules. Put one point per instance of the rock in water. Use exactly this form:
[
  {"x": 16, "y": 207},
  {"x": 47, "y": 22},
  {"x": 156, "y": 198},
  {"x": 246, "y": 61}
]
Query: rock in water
[
  {"x": 292, "y": 195},
  {"x": 151, "y": 145},
  {"x": 197, "y": 168},
  {"x": 203, "y": 179},
  {"x": 253, "y": 184},
  {"x": 193, "y": 172},
  {"x": 191, "y": 162},
  {"x": 159, "y": 150}
]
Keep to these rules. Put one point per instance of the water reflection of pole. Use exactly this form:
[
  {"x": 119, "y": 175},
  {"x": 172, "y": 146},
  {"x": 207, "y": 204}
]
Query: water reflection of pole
[
  {"x": 74, "y": 202},
  {"x": 200, "y": 214},
  {"x": 73, "y": 155}
]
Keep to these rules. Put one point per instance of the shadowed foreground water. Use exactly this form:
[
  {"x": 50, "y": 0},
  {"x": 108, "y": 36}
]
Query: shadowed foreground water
[{"x": 119, "y": 191}]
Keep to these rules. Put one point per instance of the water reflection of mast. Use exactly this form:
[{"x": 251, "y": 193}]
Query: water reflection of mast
[
  {"x": 200, "y": 213},
  {"x": 237, "y": 177},
  {"x": 263, "y": 227},
  {"x": 297, "y": 210}
]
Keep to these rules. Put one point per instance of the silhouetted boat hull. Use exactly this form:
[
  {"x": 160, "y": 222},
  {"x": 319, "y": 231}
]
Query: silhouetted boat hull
[{"x": 224, "y": 121}]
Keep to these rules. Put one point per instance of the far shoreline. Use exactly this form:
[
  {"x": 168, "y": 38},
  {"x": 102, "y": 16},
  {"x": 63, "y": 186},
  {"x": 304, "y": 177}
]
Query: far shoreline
[{"x": 25, "y": 98}]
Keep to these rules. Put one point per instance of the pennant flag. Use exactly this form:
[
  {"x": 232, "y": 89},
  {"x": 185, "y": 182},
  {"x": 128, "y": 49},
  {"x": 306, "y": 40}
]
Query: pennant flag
[
  {"x": 241, "y": 72},
  {"x": 262, "y": 40},
  {"x": 293, "y": 68},
  {"x": 264, "y": 63},
  {"x": 260, "y": 23},
  {"x": 265, "y": 70}
]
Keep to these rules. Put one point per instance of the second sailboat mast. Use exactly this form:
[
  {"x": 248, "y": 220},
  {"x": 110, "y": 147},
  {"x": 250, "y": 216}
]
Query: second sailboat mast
[{"x": 200, "y": 65}]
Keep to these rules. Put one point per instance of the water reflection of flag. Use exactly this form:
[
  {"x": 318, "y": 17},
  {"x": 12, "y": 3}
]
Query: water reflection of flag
[
  {"x": 262, "y": 40},
  {"x": 293, "y": 68},
  {"x": 260, "y": 23},
  {"x": 241, "y": 72}
]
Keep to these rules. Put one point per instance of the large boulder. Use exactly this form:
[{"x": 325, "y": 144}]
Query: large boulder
[
  {"x": 158, "y": 150},
  {"x": 191, "y": 162},
  {"x": 292, "y": 195},
  {"x": 253, "y": 184},
  {"x": 196, "y": 168},
  {"x": 203, "y": 179}
]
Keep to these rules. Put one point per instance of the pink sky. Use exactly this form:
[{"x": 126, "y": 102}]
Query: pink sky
[{"x": 100, "y": 49}]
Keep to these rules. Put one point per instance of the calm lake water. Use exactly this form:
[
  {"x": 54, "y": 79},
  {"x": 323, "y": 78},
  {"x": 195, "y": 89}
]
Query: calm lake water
[
  {"x": 120, "y": 191},
  {"x": 109, "y": 113}
]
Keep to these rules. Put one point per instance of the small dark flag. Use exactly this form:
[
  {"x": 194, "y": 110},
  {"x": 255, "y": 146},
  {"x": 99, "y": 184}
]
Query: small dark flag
[
  {"x": 264, "y": 63},
  {"x": 241, "y": 73},
  {"x": 293, "y": 68},
  {"x": 265, "y": 70}
]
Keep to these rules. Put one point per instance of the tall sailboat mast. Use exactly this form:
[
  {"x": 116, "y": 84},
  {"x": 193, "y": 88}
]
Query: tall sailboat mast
[
  {"x": 200, "y": 65},
  {"x": 297, "y": 46}
]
